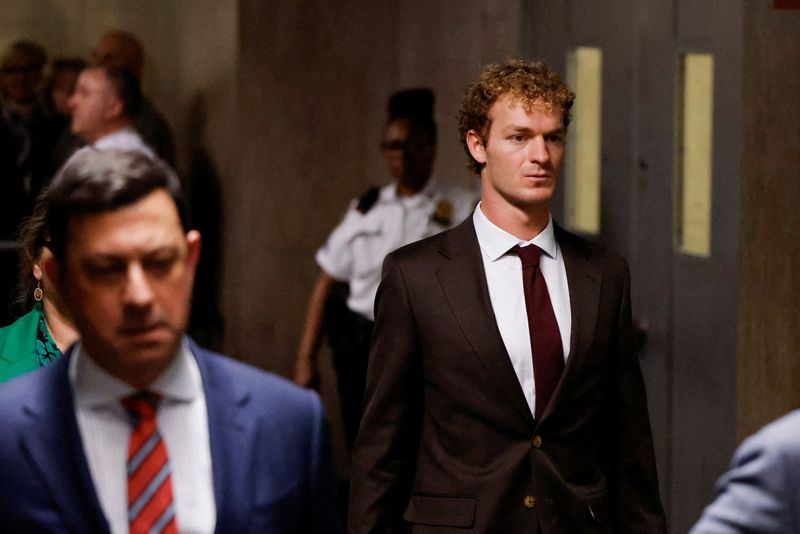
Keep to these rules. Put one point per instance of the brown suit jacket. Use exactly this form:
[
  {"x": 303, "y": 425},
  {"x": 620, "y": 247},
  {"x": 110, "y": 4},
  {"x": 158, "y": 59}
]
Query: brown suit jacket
[{"x": 447, "y": 442}]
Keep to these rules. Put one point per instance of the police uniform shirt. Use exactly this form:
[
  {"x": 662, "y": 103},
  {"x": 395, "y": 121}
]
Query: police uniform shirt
[{"x": 355, "y": 250}]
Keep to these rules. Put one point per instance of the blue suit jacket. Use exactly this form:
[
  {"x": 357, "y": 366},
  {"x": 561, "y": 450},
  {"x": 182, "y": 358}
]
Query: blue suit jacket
[
  {"x": 761, "y": 492},
  {"x": 269, "y": 452}
]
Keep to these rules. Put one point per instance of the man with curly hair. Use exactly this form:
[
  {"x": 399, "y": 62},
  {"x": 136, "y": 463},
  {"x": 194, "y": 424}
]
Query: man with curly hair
[{"x": 502, "y": 391}]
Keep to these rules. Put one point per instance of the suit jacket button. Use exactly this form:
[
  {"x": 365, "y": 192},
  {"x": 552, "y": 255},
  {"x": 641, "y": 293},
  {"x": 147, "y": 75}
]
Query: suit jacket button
[
  {"x": 537, "y": 441},
  {"x": 529, "y": 501}
]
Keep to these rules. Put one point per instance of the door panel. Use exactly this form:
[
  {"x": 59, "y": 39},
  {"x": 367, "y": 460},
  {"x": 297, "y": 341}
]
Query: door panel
[{"x": 685, "y": 306}]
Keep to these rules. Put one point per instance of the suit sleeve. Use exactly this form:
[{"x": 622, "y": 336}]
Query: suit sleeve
[
  {"x": 759, "y": 493},
  {"x": 384, "y": 456},
  {"x": 628, "y": 449}
]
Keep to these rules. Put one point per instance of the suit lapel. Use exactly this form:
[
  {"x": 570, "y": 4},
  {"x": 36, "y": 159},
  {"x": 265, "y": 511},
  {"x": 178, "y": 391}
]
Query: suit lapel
[
  {"x": 231, "y": 437},
  {"x": 583, "y": 279},
  {"x": 463, "y": 281},
  {"x": 56, "y": 450}
]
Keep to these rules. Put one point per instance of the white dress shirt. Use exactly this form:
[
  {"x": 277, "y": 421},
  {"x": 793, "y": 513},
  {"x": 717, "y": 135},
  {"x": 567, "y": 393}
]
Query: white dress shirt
[
  {"x": 182, "y": 419},
  {"x": 124, "y": 139},
  {"x": 504, "y": 278},
  {"x": 355, "y": 250}
]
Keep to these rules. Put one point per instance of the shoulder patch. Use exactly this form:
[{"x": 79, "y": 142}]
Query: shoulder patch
[{"x": 368, "y": 199}]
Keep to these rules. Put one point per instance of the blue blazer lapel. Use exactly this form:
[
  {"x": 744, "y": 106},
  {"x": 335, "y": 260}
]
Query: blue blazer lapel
[
  {"x": 463, "y": 281},
  {"x": 56, "y": 450},
  {"x": 231, "y": 436}
]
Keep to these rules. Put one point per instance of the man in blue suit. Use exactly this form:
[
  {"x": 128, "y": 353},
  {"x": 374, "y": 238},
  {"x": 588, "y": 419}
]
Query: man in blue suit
[
  {"x": 760, "y": 492},
  {"x": 137, "y": 429}
]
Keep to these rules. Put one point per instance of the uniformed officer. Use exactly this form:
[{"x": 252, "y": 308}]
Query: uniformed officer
[{"x": 410, "y": 208}]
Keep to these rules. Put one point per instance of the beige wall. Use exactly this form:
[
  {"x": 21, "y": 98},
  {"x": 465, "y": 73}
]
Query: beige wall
[{"x": 769, "y": 303}]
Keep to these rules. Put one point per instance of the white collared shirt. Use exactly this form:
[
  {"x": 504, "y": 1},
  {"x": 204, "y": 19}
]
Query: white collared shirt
[
  {"x": 182, "y": 419},
  {"x": 355, "y": 250},
  {"x": 124, "y": 139},
  {"x": 504, "y": 278}
]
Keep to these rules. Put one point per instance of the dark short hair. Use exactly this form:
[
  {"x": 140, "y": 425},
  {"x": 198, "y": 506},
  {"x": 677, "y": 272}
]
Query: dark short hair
[
  {"x": 416, "y": 106},
  {"x": 126, "y": 86},
  {"x": 528, "y": 81},
  {"x": 97, "y": 181}
]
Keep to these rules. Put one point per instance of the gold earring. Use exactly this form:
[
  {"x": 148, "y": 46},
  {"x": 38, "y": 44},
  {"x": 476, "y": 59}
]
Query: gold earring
[{"x": 38, "y": 293}]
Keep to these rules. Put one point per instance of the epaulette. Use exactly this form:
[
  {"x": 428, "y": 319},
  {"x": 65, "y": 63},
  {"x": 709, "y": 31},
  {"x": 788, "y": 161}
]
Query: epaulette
[
  {"x": 368, "y": 199},
  {"x": 444, "y": 213}
]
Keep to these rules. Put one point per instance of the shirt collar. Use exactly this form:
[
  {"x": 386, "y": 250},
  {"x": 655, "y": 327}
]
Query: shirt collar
[
  {"x": 431, "y": 189},
  {"x": 496, "y": 242},
  {"x": 94, "y": 386},
  {"x": 111, "y": 138}
]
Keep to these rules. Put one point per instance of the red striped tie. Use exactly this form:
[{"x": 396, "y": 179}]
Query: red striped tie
[{"x": 150, "y": 506}]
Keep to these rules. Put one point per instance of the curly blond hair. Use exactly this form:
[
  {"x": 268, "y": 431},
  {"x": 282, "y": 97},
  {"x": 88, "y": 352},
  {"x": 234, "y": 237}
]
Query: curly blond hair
[{"x": 527, "y": 81}]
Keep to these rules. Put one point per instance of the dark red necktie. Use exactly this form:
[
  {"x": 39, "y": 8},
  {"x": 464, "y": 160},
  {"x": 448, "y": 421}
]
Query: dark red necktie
[
  {"x": 150, "y": 505},
  {"x": 548, "y": 352}
]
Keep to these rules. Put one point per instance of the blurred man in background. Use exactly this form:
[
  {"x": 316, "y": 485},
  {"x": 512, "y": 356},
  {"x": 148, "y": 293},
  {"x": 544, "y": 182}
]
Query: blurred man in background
[
  {"x": 122, "y": 49},
  {"x": 105, "y": 100}
]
